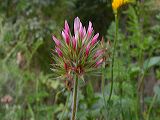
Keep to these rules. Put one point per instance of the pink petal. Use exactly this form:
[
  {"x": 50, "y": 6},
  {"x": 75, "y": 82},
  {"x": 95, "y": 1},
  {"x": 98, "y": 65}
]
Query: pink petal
[
  {"x": 65, "y": 36},
  {"x": 87, "y": 49},
  {"x": 84, "y": 31},
  {"x": 57, "y": 42},
  {"x": 76, "y": 25},
  {"x": 90, "y": 30},
  {"x": 98, "y": 53},
  {"x": 94, "y": 40},
  {"x": 66, "y": 27},
  {"x": 84, "y": 34},
  {"x": 76, "y": 36},
  {"x": 59, "y": 52},
  {"x": 98, "y": 63},
  {"x": 81, "y": 31}
]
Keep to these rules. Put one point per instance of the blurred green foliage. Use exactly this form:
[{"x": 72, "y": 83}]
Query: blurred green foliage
[{"x": 26, "y": 28}]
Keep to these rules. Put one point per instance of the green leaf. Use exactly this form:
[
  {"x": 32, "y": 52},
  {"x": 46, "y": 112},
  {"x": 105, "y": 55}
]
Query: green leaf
[
  {"x": 151, "y": 62},
  {"x": 89, "y": 90},
  {"x": 157, "y": 90}
]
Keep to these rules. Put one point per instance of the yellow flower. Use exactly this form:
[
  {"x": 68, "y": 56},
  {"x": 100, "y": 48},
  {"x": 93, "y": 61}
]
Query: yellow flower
[{"x": 118, "y": 3}]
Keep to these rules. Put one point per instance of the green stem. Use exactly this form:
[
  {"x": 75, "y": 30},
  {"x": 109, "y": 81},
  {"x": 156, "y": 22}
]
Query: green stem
[
  {"x": 37, "y": 98},
  {"x": 74, "y": 102},
  {"x": 12, "y": 51},
  {"x": 114, "y": 48},
  {"x": 66, "y": 104},
  {"x": 151, "y": 106},
  {"x": 57, "y": 95},
  {"x": 31, "y": 111}
]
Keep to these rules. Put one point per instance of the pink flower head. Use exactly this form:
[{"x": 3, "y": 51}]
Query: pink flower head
[
  {"x": 59, "y": 52},
  {"x": 94, "y": 40},
  {"x": 57, "y": 42},
  {"x": 90, "y": 30},
  {"x": 65, "y": 36},
  {"x": 66, "y": 27},
  {"x": 78, "y": 53}
]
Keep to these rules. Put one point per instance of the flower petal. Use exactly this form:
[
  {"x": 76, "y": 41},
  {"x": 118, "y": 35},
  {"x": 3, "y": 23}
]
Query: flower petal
[
  {"x": 81, "y": 31},
  {"x": 87, "y": 49},
  {"x": 59, "y": 52},
  {"x": 66, "y": 27},
  {"x": 98, "y": 63},
  {"x": 57, "y": 42},
  {"x": 94, "y": 40},
  {"x": 98, "y": 53},
  {"x": 66, "y": 37},
  {"x": 90, "y": 30},
  {"x": 76, "y": 25}
]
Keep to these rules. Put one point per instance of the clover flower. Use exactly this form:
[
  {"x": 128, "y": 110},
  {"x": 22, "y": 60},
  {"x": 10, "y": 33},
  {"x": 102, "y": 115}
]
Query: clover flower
[
  {"x": 79, "y": 53},
  {"x": 76, "y": 55}
]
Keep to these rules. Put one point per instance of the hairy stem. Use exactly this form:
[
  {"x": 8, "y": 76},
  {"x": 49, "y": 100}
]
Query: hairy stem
[{"x": 74, "y": 102}]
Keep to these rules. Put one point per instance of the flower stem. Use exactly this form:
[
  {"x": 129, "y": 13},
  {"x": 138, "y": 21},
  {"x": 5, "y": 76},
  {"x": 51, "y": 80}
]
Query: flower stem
[
  {"x": 113, "y": 54},
  {"x": 74, "y": 102}
]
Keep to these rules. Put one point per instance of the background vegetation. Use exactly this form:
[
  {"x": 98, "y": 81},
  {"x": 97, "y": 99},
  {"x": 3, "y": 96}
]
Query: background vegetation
[{"x": 27, "y": 90}]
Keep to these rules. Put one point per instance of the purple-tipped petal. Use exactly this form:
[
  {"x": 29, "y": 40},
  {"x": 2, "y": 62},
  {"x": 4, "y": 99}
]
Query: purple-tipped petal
[
  {"x": 65, "y": 36},
  {"x": 84, "y": 34},
  {"x": 98, "y": 63},
  {"x": 76, "y": 25},
  {"x": 81, "y": 31},
  {"x": 94, "y": 40},
  {"x": 66, "y": 27},
  {"x": 57, "y": 42},
  {"x": 90, "y": 30},
  {"x": 74, "y": 42},
  {"x": 84, "y": 31},
  {"x": 59, "y": 52}
]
